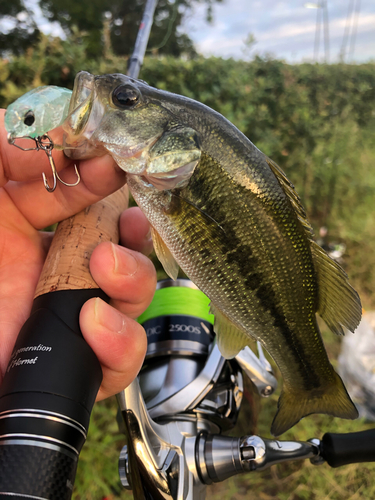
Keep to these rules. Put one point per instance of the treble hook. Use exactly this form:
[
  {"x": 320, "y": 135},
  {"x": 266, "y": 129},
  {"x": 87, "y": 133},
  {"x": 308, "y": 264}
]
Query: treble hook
[
  {"x": 46, "y": 144},
  {"x": 55, "y": 175}
]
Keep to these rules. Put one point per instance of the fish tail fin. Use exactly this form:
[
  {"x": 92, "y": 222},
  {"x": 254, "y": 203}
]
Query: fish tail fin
[{"x": 332, "y": 399}]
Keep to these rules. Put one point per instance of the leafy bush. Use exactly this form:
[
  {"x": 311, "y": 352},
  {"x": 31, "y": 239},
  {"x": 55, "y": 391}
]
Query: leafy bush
[
  {"x": 314, "y": 120},
  {"x": 317, "y": 122}
]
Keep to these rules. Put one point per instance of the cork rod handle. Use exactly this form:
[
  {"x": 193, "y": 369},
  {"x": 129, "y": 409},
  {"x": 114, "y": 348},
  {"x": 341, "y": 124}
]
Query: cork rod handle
[
  {"x": 67, "y": 263},
  {"x": 62, "y": 377}
]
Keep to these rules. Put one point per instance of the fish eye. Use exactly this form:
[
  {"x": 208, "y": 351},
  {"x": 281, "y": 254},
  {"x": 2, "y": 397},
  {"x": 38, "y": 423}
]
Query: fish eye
[
  {"x": 29, "y": 118},
  {"x": 125, "y": 96}
]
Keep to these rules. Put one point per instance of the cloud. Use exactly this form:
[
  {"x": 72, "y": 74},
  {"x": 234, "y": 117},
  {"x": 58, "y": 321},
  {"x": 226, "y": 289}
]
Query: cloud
[{"x": 285, "y": 29}]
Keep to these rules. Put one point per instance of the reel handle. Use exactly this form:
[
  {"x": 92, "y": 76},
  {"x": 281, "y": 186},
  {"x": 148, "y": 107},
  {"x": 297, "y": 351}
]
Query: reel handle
[{"x": 351, "y": 448}]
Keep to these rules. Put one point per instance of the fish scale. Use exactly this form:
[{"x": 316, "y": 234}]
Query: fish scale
[
  {"x": 221, "y": 291},
  {"x": 229, "y": 217},
  {"x": 245, "y": 256}
]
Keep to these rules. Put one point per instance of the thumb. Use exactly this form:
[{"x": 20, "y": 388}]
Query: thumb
[{"x": 118, "y": 341}]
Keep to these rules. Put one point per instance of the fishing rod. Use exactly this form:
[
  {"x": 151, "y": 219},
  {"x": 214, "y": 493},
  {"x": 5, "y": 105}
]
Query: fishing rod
[
  {"x": 53, "y": 376},
  {"x": 44, "y": 420},
  {"x": 175, "y": 445},
  {"x": 136, "y": 59}
]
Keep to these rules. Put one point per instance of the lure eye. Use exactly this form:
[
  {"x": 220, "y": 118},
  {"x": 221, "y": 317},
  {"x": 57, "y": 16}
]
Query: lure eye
[
  {"x": 29, "y": 118},
  {"x": 125, "y": 96}
]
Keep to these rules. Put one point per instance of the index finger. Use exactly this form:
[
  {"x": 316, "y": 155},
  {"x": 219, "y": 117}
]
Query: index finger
[
  {"x": 12, "y": 158},
  {"x": 99, "y": 178}
]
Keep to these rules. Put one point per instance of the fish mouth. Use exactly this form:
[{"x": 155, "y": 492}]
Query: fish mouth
[
  {"x": 84, "y": 85},
  {"x": 83, "y": 136},
  {"x": 81, "y": 122}
]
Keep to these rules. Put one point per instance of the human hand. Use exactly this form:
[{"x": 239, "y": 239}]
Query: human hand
[{"x": 125, "y": 275}]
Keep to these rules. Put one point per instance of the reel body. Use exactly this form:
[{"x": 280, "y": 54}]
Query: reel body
[{"x": 185, "y": 397}]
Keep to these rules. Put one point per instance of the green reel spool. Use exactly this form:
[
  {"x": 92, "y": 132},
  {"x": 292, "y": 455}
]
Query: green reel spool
[{"x": 178, "y": 321}]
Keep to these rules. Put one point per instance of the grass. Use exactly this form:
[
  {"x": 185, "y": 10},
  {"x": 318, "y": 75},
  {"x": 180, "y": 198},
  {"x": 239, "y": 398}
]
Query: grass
[
  {"x": 97, "y": 476},
  {"x": 301, "y": 480}
]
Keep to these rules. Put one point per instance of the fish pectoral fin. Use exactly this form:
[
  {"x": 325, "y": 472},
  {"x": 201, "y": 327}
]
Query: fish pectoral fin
[
  {"x": 164, "y": 255},
  {"x": 295, "y": 405},
  {"x": 338, "y": 303},
  {"x": 230, "y": 339}
]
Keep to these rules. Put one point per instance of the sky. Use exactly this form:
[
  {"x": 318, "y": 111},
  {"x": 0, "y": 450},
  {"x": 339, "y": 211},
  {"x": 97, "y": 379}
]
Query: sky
[{"x": 286, "y": 30}]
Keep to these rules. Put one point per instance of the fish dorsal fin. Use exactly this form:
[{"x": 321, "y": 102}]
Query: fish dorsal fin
[
  {"x": 164, "y": 255},
  {"x": 338, "y": 303},
  {"x": 291, "y": 193},
  {"x": 230, "y": 339}
]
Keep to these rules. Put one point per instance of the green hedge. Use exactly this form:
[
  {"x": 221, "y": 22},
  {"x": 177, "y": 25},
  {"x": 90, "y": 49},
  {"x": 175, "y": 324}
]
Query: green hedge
[{"x": 315, "y": 120}]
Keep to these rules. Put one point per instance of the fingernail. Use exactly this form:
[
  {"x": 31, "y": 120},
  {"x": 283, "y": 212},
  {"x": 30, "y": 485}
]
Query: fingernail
[
  {"x": 125, "y": 262},
  {"x": 108, "y": 317}
]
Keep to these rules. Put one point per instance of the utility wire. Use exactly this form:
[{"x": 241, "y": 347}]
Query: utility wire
[
  {"x": 347, "y": 30},
  {"x": 322, "y": 13},
  {"x": 326, "y": 30},
  {"x": 354, "y": 31},
  {"x": 317, "y": 33}
]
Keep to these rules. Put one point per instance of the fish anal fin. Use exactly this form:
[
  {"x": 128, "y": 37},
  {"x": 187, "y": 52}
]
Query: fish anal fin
[
  {"x": 164, "y": 255},
  {"x": 338, "y": 303},
  {"x": 230, "y": 339},
  {"x": 330, "y": 400}
]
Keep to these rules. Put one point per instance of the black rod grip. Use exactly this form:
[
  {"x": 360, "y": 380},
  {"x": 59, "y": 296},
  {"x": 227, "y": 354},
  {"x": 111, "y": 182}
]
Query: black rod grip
[
  {"x": 46, "y": 399},
  {"x": 351, "y": 448}
]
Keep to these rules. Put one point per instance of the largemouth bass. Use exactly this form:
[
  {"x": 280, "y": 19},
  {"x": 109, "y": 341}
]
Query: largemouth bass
[
  {"x": 228, "y": 216},
  {"x": 37, "y": 112}
]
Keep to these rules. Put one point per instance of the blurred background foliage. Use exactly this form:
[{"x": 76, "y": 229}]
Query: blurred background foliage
[
  {"x": 117, "y": 20},
  {"x": 316, "y": 121}
]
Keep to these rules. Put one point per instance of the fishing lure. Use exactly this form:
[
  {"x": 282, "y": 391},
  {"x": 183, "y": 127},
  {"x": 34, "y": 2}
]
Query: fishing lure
[
  {"x": 32, "y": 116},
  {"x": 37, "y": 112}
]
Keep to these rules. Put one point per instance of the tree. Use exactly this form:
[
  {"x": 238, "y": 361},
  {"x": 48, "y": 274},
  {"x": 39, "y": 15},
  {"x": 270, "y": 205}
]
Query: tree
[
  {"x": 124, "y": 18},
  {"x": 164, "y": 36},
  {"x": 92, "y": 17},
  {"x": 19, "y": 29}
]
